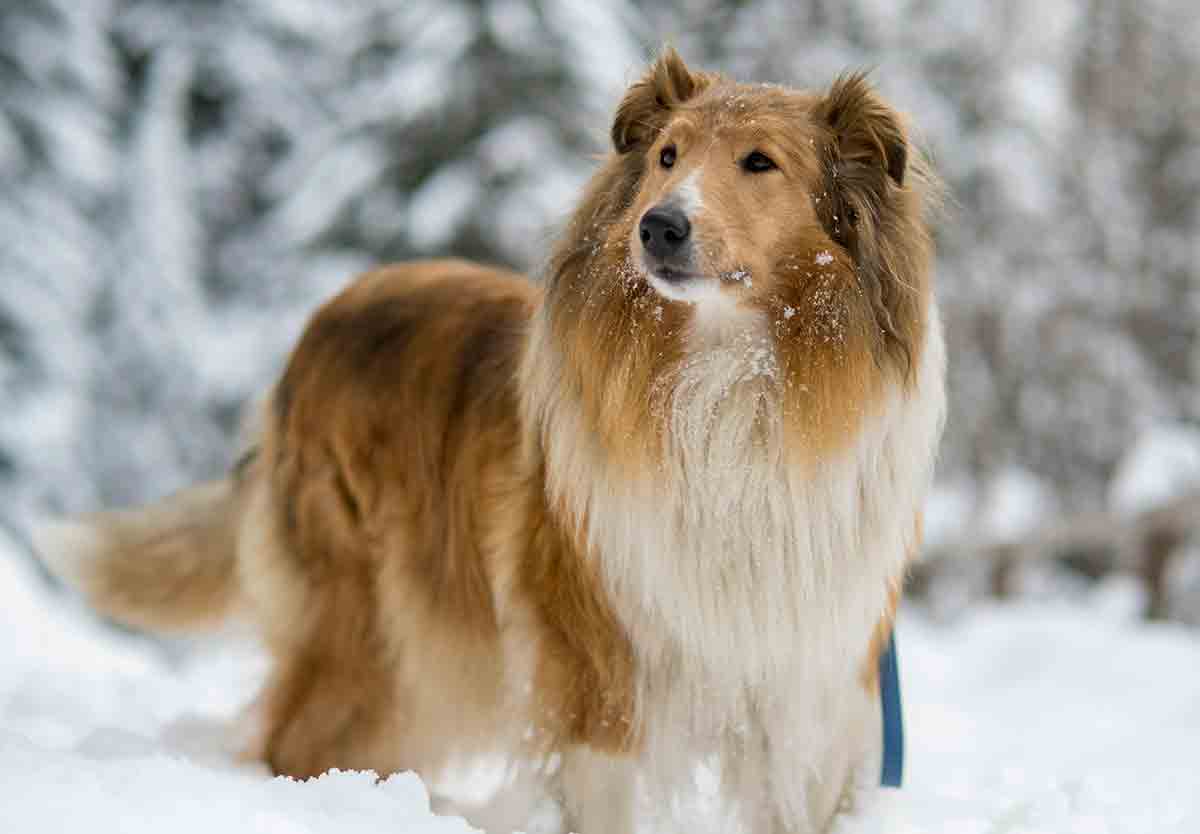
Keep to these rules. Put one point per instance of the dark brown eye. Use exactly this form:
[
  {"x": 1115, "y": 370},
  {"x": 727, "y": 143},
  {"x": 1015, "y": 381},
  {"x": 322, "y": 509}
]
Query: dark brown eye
[
  {"x": 758, "y": 162},
  {"x": 667, "y": 157}
]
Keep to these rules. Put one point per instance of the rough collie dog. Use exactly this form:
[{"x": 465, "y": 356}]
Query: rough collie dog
[{"x": 654, "y": 514}]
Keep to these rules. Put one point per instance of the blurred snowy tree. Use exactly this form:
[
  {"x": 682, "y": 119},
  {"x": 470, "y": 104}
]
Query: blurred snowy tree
[
  {"x": 180, "y": 182},
  {"x": 184, "y": 181},
  {"x": 62, "y": 105}
]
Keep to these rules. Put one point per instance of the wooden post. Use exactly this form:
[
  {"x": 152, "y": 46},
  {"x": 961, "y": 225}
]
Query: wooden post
[
  {"x": 1157, "y": 546},
  {"x": 1004, "y": 563}
]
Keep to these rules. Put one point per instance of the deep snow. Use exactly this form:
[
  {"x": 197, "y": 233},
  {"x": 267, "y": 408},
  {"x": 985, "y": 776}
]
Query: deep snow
[{"x": 1024, "y": 718}]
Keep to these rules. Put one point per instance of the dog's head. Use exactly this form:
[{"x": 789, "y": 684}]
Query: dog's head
[{"x": 793, "y": 220}]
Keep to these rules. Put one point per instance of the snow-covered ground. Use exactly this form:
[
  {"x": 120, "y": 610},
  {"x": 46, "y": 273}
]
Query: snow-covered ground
[{"x": 1026, "y": 718}]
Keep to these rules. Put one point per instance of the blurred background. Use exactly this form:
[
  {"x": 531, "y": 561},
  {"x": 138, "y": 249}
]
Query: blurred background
[{"x": 182, "y": 182}]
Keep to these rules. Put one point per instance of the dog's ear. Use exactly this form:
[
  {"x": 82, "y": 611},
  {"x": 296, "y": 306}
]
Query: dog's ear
[
  {"x": 648, "y": 103},
  {"x": 866, "y": 158},
  {"x": 865, "y": 130},
  {"x": 878, "y": 193}
]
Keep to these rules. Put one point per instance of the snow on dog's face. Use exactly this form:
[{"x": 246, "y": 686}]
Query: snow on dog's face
[
  {"x": 725, "y": 200},
  {"x": 785, "y": 229}
]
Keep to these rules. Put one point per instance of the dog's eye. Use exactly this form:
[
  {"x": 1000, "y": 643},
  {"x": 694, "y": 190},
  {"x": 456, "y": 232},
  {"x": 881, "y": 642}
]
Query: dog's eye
[
  {"x": 757, "y": 162},
  {"x": 667, "y": 157}
]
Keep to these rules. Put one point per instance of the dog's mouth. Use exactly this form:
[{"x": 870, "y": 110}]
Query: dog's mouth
[
  {"x": 683, "y": 285},
  {"x": 673, "y": 275},
  {"x": 668, "y": 272}
]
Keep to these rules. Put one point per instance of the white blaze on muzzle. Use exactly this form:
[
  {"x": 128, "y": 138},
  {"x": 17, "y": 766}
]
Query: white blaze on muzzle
[{"x": 688, "y": 195}]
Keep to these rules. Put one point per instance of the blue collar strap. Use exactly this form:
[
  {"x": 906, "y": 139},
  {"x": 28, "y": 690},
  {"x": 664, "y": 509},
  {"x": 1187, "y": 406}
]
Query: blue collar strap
[{"x": 893, "y": 717}]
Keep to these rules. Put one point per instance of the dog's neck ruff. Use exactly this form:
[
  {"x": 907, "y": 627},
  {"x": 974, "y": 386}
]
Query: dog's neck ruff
[{"x": 743, "y": 578}]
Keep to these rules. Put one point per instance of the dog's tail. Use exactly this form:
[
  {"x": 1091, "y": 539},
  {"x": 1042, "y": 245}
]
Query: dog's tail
[{"x": 169, "y": 566}]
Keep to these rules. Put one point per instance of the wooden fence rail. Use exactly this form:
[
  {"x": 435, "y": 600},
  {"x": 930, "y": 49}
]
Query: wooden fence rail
[{"x": 1094, "y": 543}]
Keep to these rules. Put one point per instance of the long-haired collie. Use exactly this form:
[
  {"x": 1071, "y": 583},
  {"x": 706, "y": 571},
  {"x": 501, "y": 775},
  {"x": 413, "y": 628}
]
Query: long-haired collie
[{"x": 639, "y": 528}]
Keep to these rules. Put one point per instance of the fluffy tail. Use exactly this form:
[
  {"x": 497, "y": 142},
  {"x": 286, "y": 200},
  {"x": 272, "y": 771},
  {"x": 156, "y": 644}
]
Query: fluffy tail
[{"x": 169, "y": 566}]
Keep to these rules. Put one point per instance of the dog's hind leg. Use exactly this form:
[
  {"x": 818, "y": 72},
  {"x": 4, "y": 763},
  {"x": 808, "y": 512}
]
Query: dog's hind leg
[{"x": 321, "y": 712}]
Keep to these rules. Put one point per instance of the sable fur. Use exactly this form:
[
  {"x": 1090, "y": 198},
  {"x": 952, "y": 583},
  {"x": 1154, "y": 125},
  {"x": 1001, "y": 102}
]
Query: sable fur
[{"x": 594, "y": 529}]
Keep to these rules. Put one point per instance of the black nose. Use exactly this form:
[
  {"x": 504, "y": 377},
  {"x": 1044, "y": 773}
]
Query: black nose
[{"x": 664, "y": 231}]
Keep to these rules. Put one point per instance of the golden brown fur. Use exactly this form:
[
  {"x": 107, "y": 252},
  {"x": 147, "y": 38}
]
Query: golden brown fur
[
  {"x": 410, "y": 531},
  {"x": 420, "y": 541}
]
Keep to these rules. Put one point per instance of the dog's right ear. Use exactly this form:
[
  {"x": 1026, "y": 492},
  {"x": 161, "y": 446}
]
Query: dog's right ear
[{"x": 648, "y": 103}]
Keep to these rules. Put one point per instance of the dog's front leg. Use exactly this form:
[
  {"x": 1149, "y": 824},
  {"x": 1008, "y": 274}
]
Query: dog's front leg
[
  {"x": 817, "y": 768},
  {"x": 598, "y": 792}
]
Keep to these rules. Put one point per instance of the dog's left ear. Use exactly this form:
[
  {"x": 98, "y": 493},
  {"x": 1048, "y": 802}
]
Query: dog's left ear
[
  {"x": 878, "y": 192},
  {"x": 648, "y": 103},
  {"x": 865, "y": 130},
  {"x": 865, "y": 160}
]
